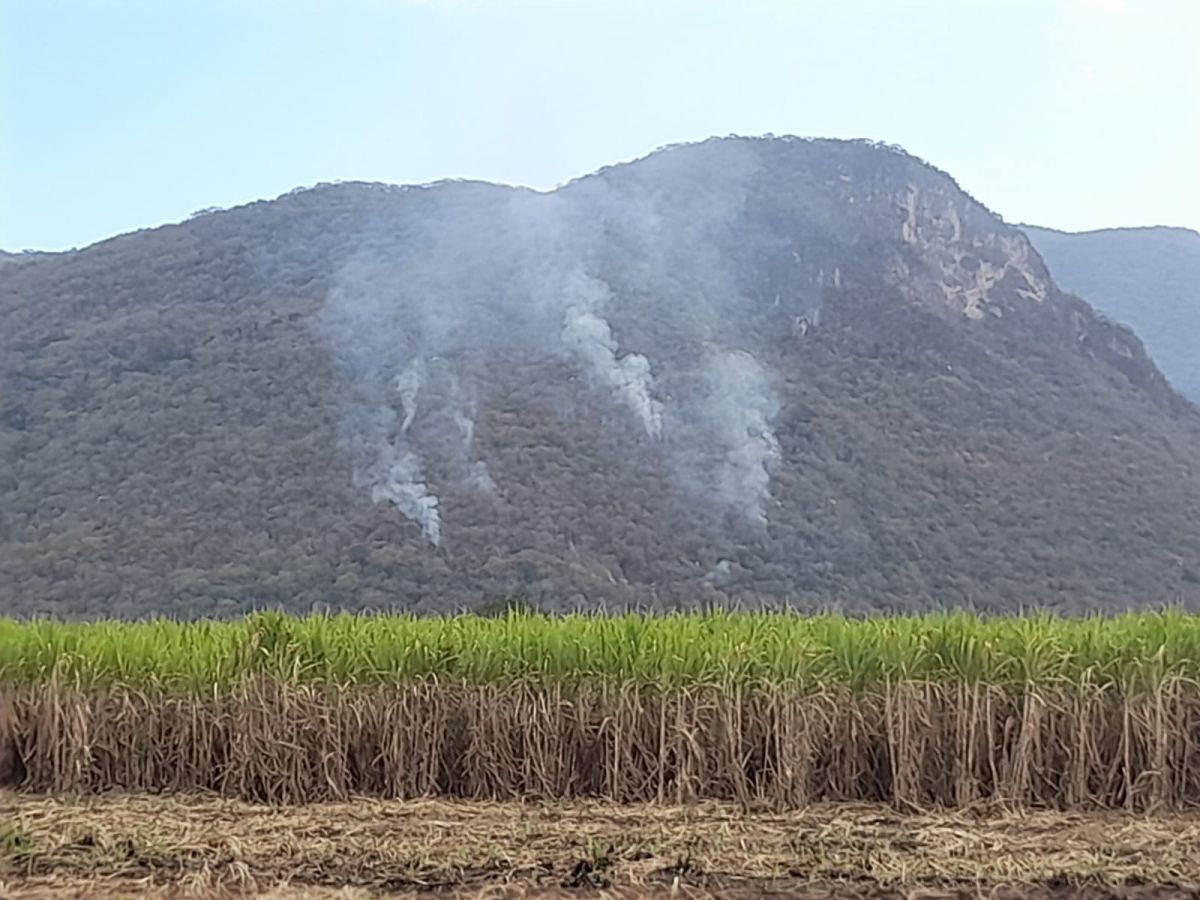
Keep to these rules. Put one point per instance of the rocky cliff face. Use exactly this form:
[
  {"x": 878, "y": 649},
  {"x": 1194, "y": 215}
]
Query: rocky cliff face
[
  {"x": 751, "y": 371},
  {"x": 980, "y": 272}
]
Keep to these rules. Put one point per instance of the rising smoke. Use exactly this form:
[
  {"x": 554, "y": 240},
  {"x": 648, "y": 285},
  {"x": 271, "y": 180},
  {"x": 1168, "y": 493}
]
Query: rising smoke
[
  {"x": 397, "y": 479},
  {"x": 470, "y": 277},
  {"x": 590, "y": 336},
  {"x": 370, "y": 430},
  {"x": 462, "y": 405},
  {"x": 739, "y": 409},
  {"x": 408, "y": 388}
]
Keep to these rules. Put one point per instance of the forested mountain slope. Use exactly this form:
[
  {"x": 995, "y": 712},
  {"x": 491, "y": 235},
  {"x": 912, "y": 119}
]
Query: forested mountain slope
[
  {"x": 748, "y": 370},
  {"x": 1148, "y": 278}
]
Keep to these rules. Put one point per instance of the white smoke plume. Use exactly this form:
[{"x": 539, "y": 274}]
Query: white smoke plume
[
  {"x": 389, "y": 470},
  {"x": 590, "y": 336},
  {"x": 408, "y": 386},
  {"x": 479, "y": 478},
  {"x": 466, "y": 427},
  {"x": 477, "y": 475},
  {"x": 381, "y": 373},
  {"x": 458, "y": 277},
  {"x": 398, "y": 480},
  {"x": 739, "y": 408}
]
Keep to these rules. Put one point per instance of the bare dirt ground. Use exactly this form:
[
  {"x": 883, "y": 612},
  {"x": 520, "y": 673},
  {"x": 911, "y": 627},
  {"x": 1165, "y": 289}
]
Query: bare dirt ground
[{"x": 168, "y": 847}]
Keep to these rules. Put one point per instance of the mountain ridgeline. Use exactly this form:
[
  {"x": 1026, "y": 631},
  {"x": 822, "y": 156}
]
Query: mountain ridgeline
[
  {"x": 1148, "y": 278},
  {"x": 747, "y": 371}
]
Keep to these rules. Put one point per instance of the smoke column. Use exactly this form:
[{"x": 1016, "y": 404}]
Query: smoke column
[
  {"x": 739, "y": 408},
  {"x": 477, "y": 475},
  {"x": 590, "y": 336},
  {"x": 458, "y": 277},
  {"x": 389, "y": 470},
  {"x": 399, "y": 481},
  {"x": 408, "y": 386},
  {"x": 379, "y": 372}
]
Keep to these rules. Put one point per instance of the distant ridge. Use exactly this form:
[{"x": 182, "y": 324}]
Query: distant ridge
[{"x": 1147, "y": 277}]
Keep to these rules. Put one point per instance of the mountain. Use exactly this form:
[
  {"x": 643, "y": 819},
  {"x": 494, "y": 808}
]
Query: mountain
[
  {"x": 752, "y": 371},
  {"x": 1148, "y": 278}
]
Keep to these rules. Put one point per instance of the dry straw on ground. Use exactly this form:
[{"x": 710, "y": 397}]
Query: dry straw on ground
[
  {"x": 208, "y": 846},
  {"x": 90, "y": 889}
]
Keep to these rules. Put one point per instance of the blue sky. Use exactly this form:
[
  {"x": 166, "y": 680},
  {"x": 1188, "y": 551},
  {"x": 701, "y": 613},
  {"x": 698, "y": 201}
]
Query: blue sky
[{"x": 122, "y": 114}]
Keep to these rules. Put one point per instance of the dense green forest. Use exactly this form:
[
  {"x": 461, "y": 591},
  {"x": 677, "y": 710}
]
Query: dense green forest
[
  {"x": 1148, "y": 278},
  {"x": 754, "y": 372}
]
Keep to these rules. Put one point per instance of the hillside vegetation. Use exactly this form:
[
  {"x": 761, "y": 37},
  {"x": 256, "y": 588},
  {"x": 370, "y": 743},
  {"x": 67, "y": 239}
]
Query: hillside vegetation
[{"x": 757, "y": 372}]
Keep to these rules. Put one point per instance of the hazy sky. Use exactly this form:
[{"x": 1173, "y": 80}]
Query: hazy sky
[{"x": 121, "y": 114}]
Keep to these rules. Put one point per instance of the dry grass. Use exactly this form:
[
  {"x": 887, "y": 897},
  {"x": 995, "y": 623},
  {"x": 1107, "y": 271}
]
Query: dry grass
[
  {"x": 210, "y": 845},
  {"x": 89, "y": 889},
  {"x": 913, "y": 745}
]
